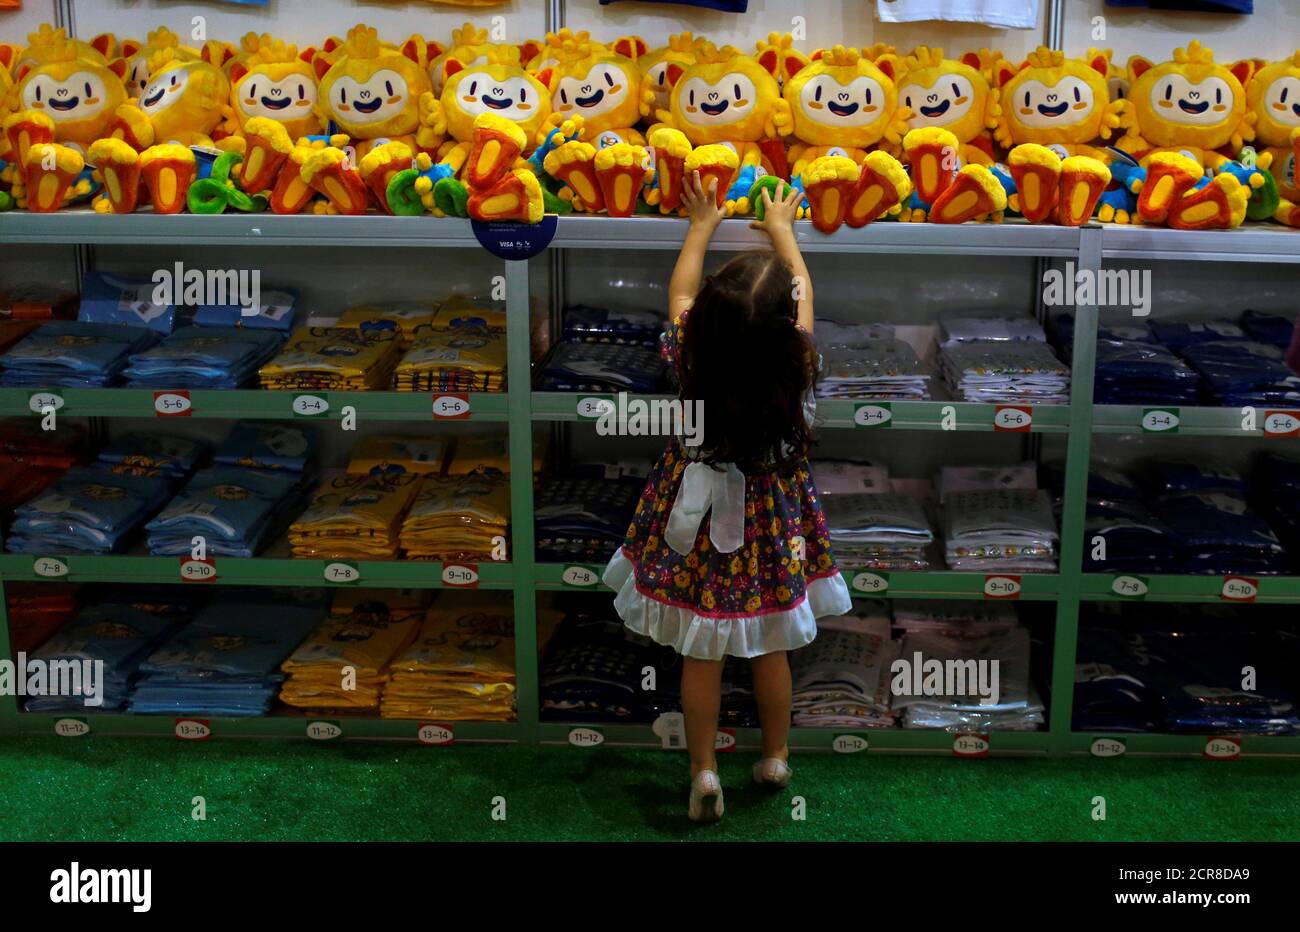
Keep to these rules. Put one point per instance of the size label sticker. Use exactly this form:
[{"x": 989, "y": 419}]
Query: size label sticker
[
  {"x": 1282, "y": 423},
  {"x": 870, "y": 582},
  {"x": 342, "y": 574},
  {"x": 464, "y": 575},
  {"x": 594, "y": 407},
  {"x": 451, "y": 407},
  {"x": 970, "y": 745},
  {"x": 1130, "y": 587},
  {"x": 324, "y": 731},
  {"x": 585, "y": 737},
  {"x": 1002, "y": 587},
  {"x": 310, "y": 405},
  {"x": 580, "y": 577},
  {"x": 1014, "y": 418},
  {"x": 192, "y": 729},
  {"x": 1160, "y": 420},
  {"x": 1221, "y": 748},
  {"x": 1108, "y": 747},
  {"x": 40, "y": 402},
  {"x": 50, "y": 567},
  {"x": 431, "y": 733},
  {"x": 725, "y": 740},
  {"x": 71, "y": 727},
  {"x": 848, "y": 744},
  {"x": 874, "y": 415},
  {"x": 172, "y": 404},
  {"x": 193, "y": 570},
  {"x": 1239, "y": 589}
]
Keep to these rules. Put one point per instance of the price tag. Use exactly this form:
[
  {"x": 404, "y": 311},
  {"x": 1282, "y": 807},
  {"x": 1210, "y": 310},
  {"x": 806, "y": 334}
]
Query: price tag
[
  {"x": 1130, "y": 587},
  {"x": 193, "y": 729},
  {"x": 464, "y": 575},
  {"x": 451, "y": 407},
  {"x": 1160, "y": 420},
  {"x": 39, "y": 402},
  {"x": 71, "y": 727},
  {"x": 970, "y": 746},
  {"x": 1014, "y": 418},
  {"x": 585, "y": 737},
  {"x": 874, "y": 415},
  {"x": 342, "y": 574},
  {"x": 172, "y": 404},
  {"x": 580, "y": 577},
  {"x": 193, "y": 570},
  {"x": 594, "y": 407},
  {"x": 1002, "y": 587},
  {"x": 1220, "y": 748},
  {"x": 310, "y": 405},
  {"x": 50, "y": 567},
  {"x": 1239, "y": 589},
  {"x": 324, "y": 731},
  {"x": 725, "y": 740},
  {"x": 1108, "y": 747},
  {"x": 848, "y": 744},
  {"x": 429, "y": 733},
  {"x": 870, "y": 582},
  {"x": 1282, "y": 423}
]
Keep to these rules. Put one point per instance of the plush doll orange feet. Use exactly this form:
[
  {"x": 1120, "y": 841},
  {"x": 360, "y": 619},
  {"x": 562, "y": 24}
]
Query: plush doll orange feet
[
  {"x": 621, "y": 171},
  {"x": 291, "y": 193},
  {"x": 829, "y": 183},
  {"x": 168, "y": 171},
  {"x": 1220, "y": 205},
  {"x": 25, "y": 129},
  {"x": 381, "y": 164},
  {"x": 329, "y": 172},
  {"x": 267, "y": 149},
  {"x": 1083, "y": 182},
  {"x": 671, "y": 147},
  {"x": 882, "y": 185},
  {"x": 974, "y": 193},
  {"x": 1036, "y": 171},
  {"x": 713, "y": 161},
  {"x": 496, "y": 146},
  {"x": 933, "y": 154},
  {"x": 51, "y": 170},
  {"x": 1169, "y": 176},
  {"x": 574, "y": 164},
  {"x": 117, "y": 165},
  {"x": 516, "y": 196}
]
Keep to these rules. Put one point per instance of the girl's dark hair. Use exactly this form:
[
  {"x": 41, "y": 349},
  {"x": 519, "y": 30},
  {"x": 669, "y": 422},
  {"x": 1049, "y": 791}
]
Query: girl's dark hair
[{"x": 743, "y": 357}]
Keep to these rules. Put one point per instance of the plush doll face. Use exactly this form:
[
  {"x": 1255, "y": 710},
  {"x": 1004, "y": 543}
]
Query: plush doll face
[
  {"x": 371, "y": 91},
  {"x": 601, "y": 88},
  {"x": 1190, "y": 101},
  {"x": 285, "y": 92},
  {"x": 664, "y": 67},
  {"x": 469, "y": 47},
  {"x": 184, "y": 99},
  {"x": 1052, "y": 99},
  {"x": 724, "y": 101},
  {"x": 80, "y": 96},
  {"x": 505, "y": 90},
  {"x": 1274, "y": 95},
  {"x": 842, "y": 100},
  {"x": 137, "y": 57},
  {"x": 947, "y": 93}
]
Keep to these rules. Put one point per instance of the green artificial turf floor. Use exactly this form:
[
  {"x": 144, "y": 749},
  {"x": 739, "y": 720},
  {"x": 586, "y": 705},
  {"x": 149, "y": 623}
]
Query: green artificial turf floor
[{"x": 101, "y": 788}]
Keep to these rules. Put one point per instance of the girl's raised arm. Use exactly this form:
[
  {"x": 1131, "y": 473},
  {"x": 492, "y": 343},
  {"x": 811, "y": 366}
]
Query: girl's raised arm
[
  {"x": 702, "y": 207},
  {"x": 778, "y": 224}
]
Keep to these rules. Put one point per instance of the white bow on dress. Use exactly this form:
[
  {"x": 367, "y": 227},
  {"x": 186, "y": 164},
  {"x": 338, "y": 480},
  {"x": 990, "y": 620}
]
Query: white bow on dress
[{"x": 704, "y": 487}]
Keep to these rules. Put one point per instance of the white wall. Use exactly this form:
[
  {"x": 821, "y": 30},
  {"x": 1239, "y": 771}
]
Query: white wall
[
  {"x": 16, "y": 25},
  {"x": 1272, "y": 32}
]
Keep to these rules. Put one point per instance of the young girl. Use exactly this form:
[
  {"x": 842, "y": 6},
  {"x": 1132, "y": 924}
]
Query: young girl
[{"x": 728, "y": 553}]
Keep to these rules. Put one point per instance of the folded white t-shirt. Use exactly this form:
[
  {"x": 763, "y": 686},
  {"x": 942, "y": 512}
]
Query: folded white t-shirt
[{"x": 1007, "y": 14}]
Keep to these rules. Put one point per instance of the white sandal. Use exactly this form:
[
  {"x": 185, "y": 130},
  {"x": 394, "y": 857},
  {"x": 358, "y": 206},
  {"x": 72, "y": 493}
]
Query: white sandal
[
  {"x": 772, "y": 771},
  {"x": 706, "y": 797}
]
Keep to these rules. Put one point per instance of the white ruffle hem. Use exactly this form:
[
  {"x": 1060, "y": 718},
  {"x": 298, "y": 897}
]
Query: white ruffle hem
[{"x": 705, "y": 638}]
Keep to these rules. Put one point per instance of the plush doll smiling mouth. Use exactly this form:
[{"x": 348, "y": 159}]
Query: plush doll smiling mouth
[
  {"x": 591, "y": 99},
  {"x": 1055, "y": 111},
  {"x": 65, "y": 104},
  {"x": 153, "y": 98},
  {"x": 497, "y": 103},
  {"x": 936, "y": 111},
  {"x": 1188, "y": 107}
]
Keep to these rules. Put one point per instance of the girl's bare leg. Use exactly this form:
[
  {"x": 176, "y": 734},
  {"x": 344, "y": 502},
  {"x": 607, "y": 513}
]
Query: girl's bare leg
[
  {"x": 701, "y": 701},
  {"x": 772, "y": 693}
]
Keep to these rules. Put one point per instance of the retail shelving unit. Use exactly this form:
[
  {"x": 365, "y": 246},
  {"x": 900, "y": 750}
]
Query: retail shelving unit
[{"x": 520, "y": 408}]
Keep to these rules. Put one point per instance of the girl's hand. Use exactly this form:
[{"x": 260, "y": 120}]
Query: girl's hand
[
  {"x": 701, "y": 203},
  {"x": 779, "y": 215}
]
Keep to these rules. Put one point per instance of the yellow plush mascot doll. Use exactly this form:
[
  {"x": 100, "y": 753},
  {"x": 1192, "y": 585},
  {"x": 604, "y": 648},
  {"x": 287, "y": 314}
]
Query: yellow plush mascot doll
[
  {"x": 273, "y": 82},
  {"x": 661, "y": 69},
  {"x": 956, "y": 95},
  {"x": 182, "y": 102},
  {"x": 138, "y": 54},
  {"x": 1273, "y": 95},
  {"x": 371, "y": 92}
]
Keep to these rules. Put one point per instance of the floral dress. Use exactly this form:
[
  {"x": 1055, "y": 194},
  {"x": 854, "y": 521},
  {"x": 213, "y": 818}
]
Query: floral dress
[{"x": 717, "y": 563}]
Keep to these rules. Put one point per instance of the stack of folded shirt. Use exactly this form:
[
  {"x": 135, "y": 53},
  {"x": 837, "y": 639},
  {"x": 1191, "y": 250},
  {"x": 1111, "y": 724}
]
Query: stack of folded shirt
[
  {"x": 126, "y": 302},
  {"x": 460, "y": 360},
  {"x": 868, "y": 616},
  {"x": 149, "y": 454},
  {"x": 884, "y": 531},
  {"x": 226, "y": 661},
  {"x": 989, "y": 326},
  {"x": 335, "y": 359},
  {"x": 952, "y": 618},
  {"x": 258, "y": 445},
  {"x": 120, "y": 636},
  {"x": 1117, "y": 679},
  {"x": 1063, "y": 332},
  {"x": 1000, "y": 530},
  {"x": 457, "y": 518},
  {"x": 35, "y": 612},
  {"x": 1006, "y": 372},
  {"x": 1217, "y": 533},
  {"x": 274, "y": 312},
  {"x": 484, "y": 455},
  {"x": 1238, "y": 373},
  {"x": 835, "y": 477},
  {"x": 457, "y": 313},
  {"x": 1136, "y": 540},
  {"x": 386, "y": 454},
  {"x": 405, "y": 319},
  {"x": 1132, "y": 372},
  {"x": 461, "y": 666},
  {"x": 354, "y": 517},
  {"x": 583, "y": 519},
  {"x": 841, "y": 680},
  {"x": 888, "y": 369},
  {"x": 591, "y": 672},
  {"x": 235, "y": 510},
  {"x": 584, "y": 324},
  {"x": 970, "y": 706},
  {"x": 91, "y": 509},
  {"x": 1276, "y": 493},
  {"x": 1180, "y": 334},
  {"x": 73, "y": 354},
  {"x": 601, "y": 367},
  {"x": 203, "y": 357},
  {"x": 366, "y": 630},
  {"x": 1273, "y": 329}
]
